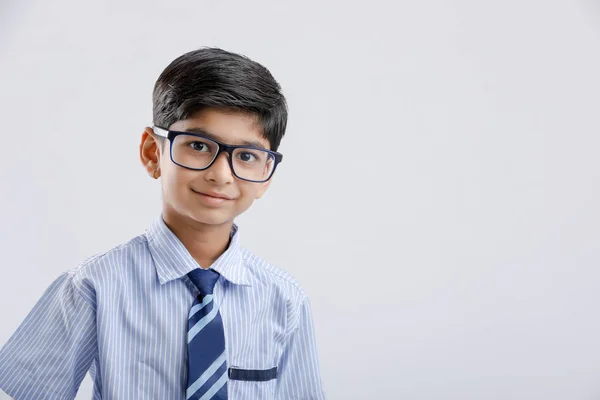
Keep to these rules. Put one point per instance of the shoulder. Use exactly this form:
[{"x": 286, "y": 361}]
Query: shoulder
[
  {"x": 116, "y": 260},
  {"x": 263, "y": 273}
]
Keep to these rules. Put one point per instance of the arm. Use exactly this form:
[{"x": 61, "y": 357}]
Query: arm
[
  {"x": 51, "y": 351},
  {"x": 299, "y": 372}
]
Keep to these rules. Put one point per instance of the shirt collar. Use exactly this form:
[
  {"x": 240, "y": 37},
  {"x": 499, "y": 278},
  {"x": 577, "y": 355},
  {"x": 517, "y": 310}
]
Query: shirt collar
[{"x": 173, "y": 261}]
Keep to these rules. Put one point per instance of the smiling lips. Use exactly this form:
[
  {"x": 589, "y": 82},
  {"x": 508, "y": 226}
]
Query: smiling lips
[{"x": 213, "y": 198}]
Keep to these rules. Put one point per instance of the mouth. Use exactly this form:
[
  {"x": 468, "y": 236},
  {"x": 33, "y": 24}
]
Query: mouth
[{"x": 213, "y": 195}]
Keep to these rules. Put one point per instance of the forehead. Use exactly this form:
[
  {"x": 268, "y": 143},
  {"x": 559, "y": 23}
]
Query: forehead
[{"x": 230, "y": 127}]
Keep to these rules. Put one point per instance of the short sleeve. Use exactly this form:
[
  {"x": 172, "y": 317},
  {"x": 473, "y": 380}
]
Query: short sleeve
[
  {"x": 51, "y": 351},
  {"x": 299, "y": 372}
]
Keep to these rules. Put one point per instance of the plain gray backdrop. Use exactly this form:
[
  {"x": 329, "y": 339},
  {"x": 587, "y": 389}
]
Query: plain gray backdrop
[{"x": 439, "y": 198}]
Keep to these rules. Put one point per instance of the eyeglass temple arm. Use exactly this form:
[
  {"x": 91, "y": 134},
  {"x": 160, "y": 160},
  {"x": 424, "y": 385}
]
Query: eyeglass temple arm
[{"x": 160, "y": 131}]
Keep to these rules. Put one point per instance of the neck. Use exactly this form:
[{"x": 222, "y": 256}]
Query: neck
[{"x": 204, "y": 242}]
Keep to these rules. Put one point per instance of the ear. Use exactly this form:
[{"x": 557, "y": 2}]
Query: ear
[
  {"x": 263, "y": 188},
  {"x": 150, "y": 153}
]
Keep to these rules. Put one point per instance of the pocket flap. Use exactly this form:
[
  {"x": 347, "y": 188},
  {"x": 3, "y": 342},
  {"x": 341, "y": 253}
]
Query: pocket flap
[{"x": 256, "y": 375}]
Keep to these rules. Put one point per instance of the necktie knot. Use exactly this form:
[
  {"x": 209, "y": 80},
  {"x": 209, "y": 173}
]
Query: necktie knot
[{"x": 204, "y": 280}]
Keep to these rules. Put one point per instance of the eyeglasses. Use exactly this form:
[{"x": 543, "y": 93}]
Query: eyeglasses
[{"x": 198, "y": 152}]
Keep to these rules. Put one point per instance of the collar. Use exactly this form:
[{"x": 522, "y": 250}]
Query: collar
[{"x": 173, "y": 260}]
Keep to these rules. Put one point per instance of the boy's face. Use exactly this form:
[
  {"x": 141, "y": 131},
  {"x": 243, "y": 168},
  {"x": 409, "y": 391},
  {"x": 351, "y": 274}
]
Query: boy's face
[{"x": 189, "y": 194}]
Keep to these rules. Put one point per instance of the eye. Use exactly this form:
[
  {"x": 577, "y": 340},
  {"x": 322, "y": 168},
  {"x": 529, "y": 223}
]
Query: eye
[
  {"x": 199, "y": 146},
  {"x": 246, "y": 156}
]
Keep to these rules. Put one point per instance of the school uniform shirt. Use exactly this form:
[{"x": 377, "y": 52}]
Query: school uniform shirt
[{"x": 123, "y": 317}]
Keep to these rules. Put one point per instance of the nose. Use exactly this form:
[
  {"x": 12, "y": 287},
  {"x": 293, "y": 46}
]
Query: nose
[{"x": 220, "y": 172}]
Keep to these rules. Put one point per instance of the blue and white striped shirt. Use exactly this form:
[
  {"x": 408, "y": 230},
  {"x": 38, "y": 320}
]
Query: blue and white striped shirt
[{"x": 123, "y": 315}]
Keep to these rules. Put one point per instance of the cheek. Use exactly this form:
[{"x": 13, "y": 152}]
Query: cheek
[
  {"x": 248, "y": 192},
  {"x": 175, "y": 178}
]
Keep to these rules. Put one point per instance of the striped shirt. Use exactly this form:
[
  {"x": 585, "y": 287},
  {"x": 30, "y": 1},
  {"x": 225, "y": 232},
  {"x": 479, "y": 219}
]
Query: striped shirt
[{"x": 122, "y": 317}]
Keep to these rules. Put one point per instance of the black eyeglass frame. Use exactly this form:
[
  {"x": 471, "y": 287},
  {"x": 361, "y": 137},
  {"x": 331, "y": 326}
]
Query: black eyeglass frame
[{"x": 227, "y": 148}]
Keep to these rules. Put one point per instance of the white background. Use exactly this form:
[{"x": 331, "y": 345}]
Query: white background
[{"x": 439, "y": 198}]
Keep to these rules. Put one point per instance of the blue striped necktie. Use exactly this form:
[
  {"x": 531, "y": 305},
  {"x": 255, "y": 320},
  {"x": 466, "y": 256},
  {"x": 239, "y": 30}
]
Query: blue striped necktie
[{"x": 207, "y": 360}]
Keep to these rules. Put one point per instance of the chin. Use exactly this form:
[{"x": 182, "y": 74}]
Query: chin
[
  {"x": 209, "y": 217},
  {"x": 199, "y": 215}
]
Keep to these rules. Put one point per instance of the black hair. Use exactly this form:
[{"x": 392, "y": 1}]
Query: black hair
[{"x": 212, "y": 77}]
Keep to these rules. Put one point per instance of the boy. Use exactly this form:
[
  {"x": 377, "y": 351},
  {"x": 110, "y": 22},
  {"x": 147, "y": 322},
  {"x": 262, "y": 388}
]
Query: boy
[{"x": 182, "y": 311}]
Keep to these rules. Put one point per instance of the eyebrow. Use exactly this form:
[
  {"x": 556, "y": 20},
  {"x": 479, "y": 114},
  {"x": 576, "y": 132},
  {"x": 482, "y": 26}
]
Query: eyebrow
[{"x": 202, "y": 132}]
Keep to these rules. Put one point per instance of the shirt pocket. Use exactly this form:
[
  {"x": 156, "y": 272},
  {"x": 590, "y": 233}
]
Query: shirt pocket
[{"x": 252, "y": 383}]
